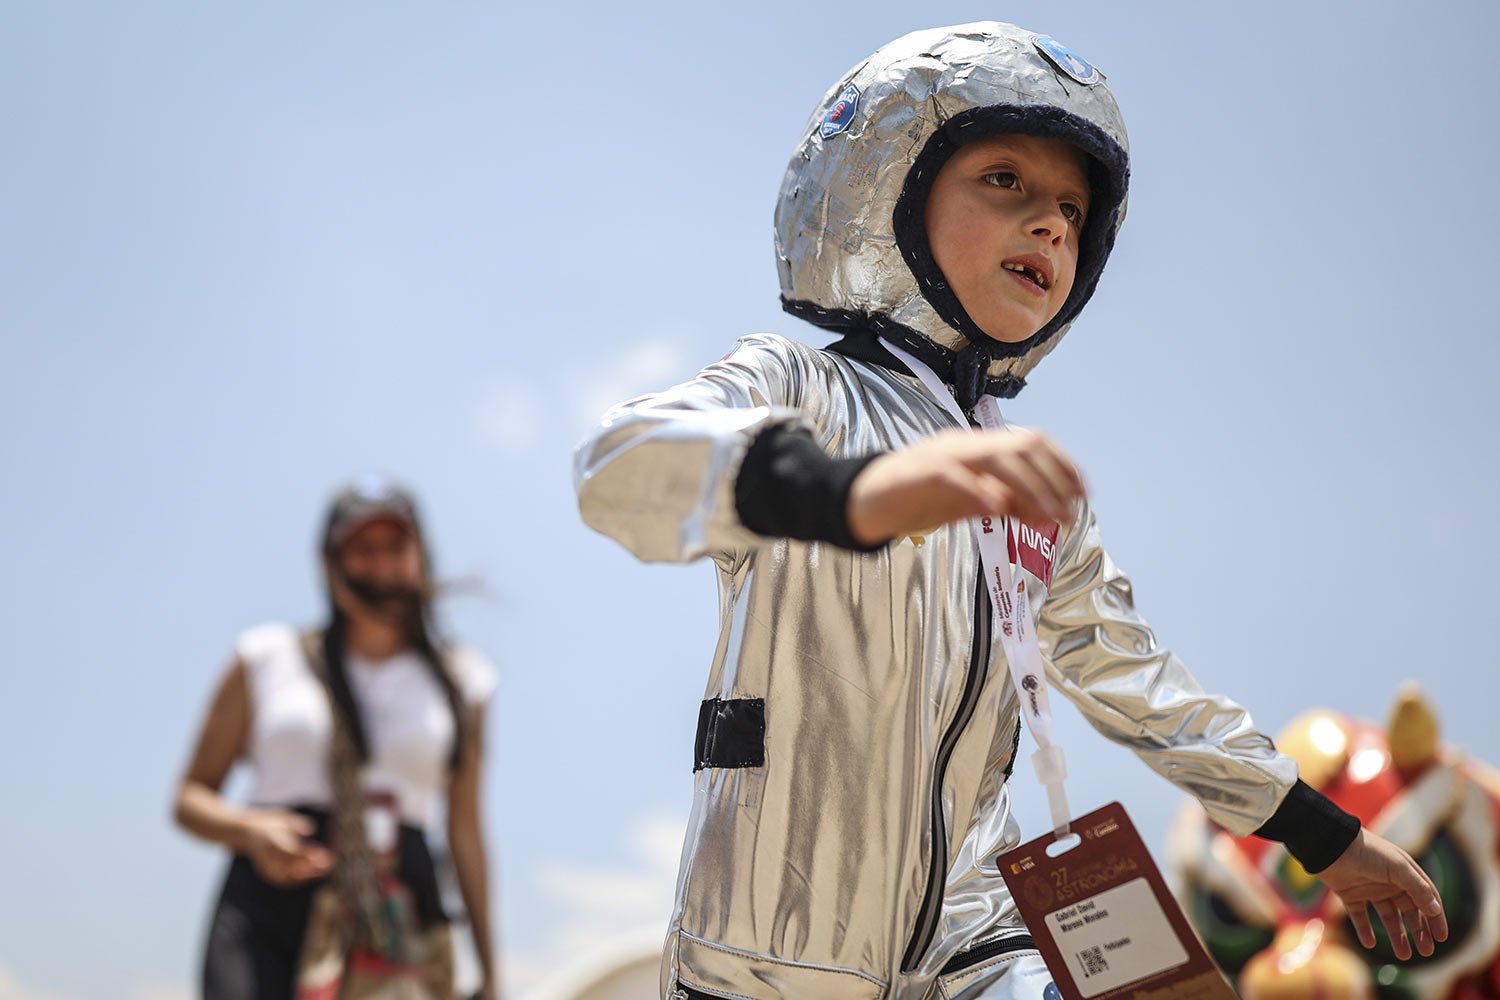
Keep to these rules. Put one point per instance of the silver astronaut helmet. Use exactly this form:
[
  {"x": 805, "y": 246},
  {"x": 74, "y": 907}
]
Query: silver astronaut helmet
[{"x": 851, "y": 237}]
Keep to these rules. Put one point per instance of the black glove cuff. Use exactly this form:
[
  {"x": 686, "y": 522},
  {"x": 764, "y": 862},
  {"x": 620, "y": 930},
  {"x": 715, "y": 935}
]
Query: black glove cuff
[
  {"x": 789, "y": 488},
  {"x": 1315, "y": 831}
]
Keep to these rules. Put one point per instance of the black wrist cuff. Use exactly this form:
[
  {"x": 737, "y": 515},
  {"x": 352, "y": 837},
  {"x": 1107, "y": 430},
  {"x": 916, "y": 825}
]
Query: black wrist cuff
[
  {"x": 1314, "y": 830},
  {"x": 789, "y": 488}
]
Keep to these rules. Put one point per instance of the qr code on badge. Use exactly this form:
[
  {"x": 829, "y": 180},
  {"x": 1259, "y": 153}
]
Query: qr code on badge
[{"x": 1093, "y": 962}]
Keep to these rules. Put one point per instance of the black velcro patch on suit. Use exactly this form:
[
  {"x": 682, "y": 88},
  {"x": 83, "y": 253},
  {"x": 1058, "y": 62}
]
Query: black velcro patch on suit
[{"x": 731, "y": 733}]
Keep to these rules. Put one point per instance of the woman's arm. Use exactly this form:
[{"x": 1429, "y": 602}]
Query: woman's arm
[
  {"x": 221, "y": 741},
  {"x": 273, "y": 839},
  {"x": 466, "y": 843}
]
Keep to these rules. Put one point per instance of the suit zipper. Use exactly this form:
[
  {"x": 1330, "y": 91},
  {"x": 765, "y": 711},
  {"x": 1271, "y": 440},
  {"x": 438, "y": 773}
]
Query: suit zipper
[
  {"x": 937, "y": 868},
  {"x": 983, "y": 953}
]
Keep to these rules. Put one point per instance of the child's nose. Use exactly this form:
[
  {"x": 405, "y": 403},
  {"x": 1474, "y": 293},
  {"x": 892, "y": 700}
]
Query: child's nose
[{"x": 1049, "y": 223}]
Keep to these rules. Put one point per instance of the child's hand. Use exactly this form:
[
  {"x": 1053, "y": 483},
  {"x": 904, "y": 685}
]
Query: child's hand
[
  {"x": 1374, "y": 872},
  {"x": 961, "y": 474}
]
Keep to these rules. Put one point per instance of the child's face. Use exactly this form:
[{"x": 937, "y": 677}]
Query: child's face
[{"x": 1003, "y": 221}]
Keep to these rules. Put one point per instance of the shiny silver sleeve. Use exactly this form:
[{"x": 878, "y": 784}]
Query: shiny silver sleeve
[
  {"x": 1103, "y": 656},
  {"x": 657, "y": 475}
]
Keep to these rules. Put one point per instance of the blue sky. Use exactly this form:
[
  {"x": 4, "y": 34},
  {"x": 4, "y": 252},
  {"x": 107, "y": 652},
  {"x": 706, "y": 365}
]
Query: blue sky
[{"x": 248, "y": 253}]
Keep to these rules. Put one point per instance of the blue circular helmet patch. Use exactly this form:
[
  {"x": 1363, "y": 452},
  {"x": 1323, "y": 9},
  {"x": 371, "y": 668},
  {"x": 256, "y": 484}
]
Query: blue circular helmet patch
[
  {"x": 1051, "y": 992},
  {"x": 1067, "y": 60},
  {"x": 841, "y": 114}
]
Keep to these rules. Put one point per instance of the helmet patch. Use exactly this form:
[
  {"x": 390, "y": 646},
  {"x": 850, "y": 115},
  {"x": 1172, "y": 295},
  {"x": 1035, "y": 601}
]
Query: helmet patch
[
  {"x": 1067, "y": 60},
  {"x": 841, "y": 114}
]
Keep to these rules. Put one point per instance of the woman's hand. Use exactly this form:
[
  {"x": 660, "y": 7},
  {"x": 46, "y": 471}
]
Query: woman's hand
[
  {"x": 276, "y": 843},
  {"x": 960, "y": 474},
  {"x": 1374, "y": 872}
]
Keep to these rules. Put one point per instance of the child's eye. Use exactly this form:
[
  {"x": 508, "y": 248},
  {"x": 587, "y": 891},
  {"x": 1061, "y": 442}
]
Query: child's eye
[
  {"x": 1072, "y": 213},
  {"x": 1002, "y": 179}
]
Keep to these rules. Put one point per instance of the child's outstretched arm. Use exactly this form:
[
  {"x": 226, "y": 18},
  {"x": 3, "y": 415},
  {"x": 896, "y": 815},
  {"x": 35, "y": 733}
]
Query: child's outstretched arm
[
  {"x": 718, "y": 464},
  {"x": 960, "y": 474},
  {"x": 1104, "y": 657}
]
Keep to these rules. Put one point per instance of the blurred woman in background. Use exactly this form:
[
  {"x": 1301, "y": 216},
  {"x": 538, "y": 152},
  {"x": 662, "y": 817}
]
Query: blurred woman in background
[{"x": 356, "y": 736}]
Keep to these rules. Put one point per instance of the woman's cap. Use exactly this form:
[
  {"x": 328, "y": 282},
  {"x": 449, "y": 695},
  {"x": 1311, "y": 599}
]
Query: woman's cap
[{"x": 367, "y": 499}]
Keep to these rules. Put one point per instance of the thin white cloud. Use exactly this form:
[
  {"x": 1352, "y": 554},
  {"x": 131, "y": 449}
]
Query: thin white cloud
[
  {"x": 509, "y": 416},
  {"x": 646, "y": 366},
  {"x": 604, "y": 908},
  {"x": 12, "y": 989}
]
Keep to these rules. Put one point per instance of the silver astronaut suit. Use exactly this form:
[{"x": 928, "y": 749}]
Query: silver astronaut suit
[{"x": 859, "y": 723}]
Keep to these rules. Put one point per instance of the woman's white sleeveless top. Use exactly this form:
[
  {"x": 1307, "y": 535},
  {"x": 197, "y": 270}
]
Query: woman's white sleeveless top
[{"x": 407, "y": 720}]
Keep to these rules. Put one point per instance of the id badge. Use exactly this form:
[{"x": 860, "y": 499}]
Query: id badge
[{"x": 1103, "y": 919}]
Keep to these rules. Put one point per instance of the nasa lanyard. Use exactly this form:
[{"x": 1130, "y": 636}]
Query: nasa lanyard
[{"x": 1012, "y": 607}]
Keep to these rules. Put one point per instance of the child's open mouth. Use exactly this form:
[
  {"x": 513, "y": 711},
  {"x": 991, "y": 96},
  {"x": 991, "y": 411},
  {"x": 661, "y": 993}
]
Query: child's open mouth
[{"x": 1026, "y": 273}]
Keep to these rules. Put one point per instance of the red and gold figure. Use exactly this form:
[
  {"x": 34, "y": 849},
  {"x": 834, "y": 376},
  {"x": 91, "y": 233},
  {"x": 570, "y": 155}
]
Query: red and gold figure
[{"x": 1281, "y": 935}]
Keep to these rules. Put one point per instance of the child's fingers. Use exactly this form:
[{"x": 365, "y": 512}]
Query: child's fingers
[
  {"x": 1438, "y": 922},
  {"x": 1044, "y": 497},
  {"x": 1420, "y": 905},
  {"x": 1423, "y": 935},
  {"x": 1069, "y": 468},
  {"x": 1060, "y": 475},
  {"x": 1390, "y": 916},
  {"x": 1019, "y": 494},
  {"x": 1043, "y": 476},
  {"x": 1359, "y": 916},
  {"x": 980, "y": 494},
  {"x": 1032, "y": 493},
  {"x": 1422, "y": 895},
  {"x": 1015, "y": 503},
  {"x": 976, "y": 494},
  {"x": 1410, "y": 918}
]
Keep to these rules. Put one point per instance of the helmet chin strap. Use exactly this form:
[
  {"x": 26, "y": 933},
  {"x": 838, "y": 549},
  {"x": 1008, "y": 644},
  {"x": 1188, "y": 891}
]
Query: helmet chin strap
[
  {"x": 384, "y": 600},
  {"x": 971, "y": 369},
  {"x": 966, "y": 369}
]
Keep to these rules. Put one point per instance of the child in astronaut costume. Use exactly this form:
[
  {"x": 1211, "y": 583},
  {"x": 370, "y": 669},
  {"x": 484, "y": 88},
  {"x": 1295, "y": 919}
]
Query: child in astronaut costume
[{"x": 950, "y": 207}]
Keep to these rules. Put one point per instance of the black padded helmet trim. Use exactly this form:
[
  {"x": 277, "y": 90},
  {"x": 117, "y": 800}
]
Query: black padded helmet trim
[
  {"x": 863, "y": 331},
  {"x": 1109, "y": 176}
]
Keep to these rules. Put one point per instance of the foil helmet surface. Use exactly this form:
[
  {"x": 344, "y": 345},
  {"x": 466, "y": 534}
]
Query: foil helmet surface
[{"x": 851, "y": 238}]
